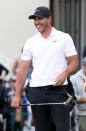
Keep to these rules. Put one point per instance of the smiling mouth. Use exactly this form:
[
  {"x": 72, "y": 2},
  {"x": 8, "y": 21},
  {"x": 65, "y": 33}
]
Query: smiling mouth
[{"x": 38, "y": 26}]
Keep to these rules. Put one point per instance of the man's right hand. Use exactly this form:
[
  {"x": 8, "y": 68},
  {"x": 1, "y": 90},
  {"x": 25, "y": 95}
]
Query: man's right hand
[{"x": 16, "y": 101}]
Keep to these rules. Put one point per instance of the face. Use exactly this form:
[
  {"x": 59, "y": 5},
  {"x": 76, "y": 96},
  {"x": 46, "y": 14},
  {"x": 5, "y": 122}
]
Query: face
[
  {"x": 11, "y": 84},
  {"x": 42, "y": 24},
  {"x": 84, "y": 69}
]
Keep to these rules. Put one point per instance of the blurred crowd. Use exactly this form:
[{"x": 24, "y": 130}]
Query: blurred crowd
[{"x": 12, "y": 119}]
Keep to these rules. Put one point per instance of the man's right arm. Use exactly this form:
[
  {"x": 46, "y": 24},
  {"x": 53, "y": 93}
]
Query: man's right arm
[{"x": 21, "y": 78}]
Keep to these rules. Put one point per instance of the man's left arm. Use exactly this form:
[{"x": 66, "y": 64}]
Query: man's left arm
[{"x": 72, "y": 66}]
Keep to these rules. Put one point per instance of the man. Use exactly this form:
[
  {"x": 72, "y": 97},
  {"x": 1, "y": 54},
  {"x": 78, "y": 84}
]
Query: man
[
  {"x": 79, "y": 85},
  {"x": 50, "y": 52}
]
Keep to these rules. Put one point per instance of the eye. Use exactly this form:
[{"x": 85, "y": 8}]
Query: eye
[{"x": 40, "y": 18}]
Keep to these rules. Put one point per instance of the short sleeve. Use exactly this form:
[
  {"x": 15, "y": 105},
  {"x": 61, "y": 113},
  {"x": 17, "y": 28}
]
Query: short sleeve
[
  {"x": 69, "y": 47},
  {"x": 27, "y": 55}
]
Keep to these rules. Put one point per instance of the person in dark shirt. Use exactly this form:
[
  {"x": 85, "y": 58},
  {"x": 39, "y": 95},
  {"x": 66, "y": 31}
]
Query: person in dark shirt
[
  {"x": 4, "y": 105},
  {"x": 2, "y": 68}
]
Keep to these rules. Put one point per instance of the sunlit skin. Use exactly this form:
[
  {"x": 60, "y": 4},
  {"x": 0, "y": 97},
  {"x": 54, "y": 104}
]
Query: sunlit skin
[{"x": 43, "y": 25}]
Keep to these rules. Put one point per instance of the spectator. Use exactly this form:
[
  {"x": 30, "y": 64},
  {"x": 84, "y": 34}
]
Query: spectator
[
  {"x": 79, "y": 85},
  {"x": 3, "y": 72},
  {"x": 16, "y": 65},
  {"x": 4, "y": 106},
  {"x": 10, "y": 93},
  {"x": 17, "y": 117},
  {"x": 20, "y": 116},
  {"x": 11, "y": 89}
]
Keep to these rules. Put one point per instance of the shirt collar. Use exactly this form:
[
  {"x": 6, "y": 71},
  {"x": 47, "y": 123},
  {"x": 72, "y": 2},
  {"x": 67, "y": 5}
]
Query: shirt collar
[{"x": 53, "y": 33}]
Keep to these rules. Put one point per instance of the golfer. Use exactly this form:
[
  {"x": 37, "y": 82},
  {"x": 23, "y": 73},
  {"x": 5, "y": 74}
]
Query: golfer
[{"x": 54, "y": 58}]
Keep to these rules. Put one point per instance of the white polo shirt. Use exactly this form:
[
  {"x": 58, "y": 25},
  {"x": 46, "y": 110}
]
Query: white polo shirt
[{"x": 48, "y": 56}]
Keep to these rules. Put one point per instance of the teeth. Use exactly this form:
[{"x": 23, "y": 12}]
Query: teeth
[{"x": 38, "y": 26}]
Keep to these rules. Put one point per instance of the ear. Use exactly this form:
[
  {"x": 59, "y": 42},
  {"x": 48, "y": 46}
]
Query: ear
[
  {"x": 50, "y": 19},
  {"x": 82, "y": 65}
]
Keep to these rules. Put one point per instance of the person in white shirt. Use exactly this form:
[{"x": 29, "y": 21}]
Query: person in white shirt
[
  {"x": 54, "y": 58},
  {"x": 79, "y": 84}
]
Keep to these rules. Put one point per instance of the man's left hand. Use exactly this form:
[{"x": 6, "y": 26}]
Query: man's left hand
[{"x": 60, "y": 79}]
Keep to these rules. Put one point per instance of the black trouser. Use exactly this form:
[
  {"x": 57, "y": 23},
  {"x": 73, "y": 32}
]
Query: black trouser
[
  {"x": 1, "y": 126},
  {"x": 17, "y": 126},
  {"x": 58, "y": 113}
]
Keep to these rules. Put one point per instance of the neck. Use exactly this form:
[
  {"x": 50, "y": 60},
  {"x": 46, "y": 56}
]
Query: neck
[{"x": 47, "y": 32}]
